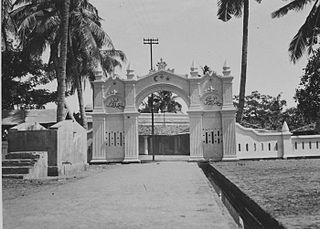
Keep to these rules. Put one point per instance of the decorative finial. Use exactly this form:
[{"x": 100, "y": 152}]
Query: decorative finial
[
  {"x": 161, "y": 65},
  {"x": 130, "y": 73},
  {"x": 193, "y": 70},
  {"x": 285, "y": 128},
  {"x": 226, "y": 69}
]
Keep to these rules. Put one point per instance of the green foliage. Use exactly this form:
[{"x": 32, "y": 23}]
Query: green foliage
[
  {"x": 267, "y": 112},
  {"x": 308, "y": 92},
  {"x": 163, "y": 101},
  {"x": 262, "y": 111},
  {"x": 294, "y": 118},
  {"x": 21, "y": 73},
  {"x": 306, "y": 37}
]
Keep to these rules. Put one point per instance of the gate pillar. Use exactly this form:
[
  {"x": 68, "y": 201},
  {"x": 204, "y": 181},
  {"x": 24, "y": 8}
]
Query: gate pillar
[
  {"x": 131, "y": 149},
  {"x": 99, "y": 149},
  {"x": 196, "y": 149},
  {"x": 229, "y": 134}
]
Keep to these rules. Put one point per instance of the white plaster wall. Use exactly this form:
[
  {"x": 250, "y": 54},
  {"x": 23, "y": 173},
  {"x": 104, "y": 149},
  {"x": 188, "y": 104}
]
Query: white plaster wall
[
  {"x": 251, "y": 144},
  {"x": 305, "y": 146}
]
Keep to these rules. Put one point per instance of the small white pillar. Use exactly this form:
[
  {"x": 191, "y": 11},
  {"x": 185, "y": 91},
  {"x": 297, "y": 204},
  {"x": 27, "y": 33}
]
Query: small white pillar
[
  {"x": 286, "y": 141},
  {"x": 145, "y": 141}
]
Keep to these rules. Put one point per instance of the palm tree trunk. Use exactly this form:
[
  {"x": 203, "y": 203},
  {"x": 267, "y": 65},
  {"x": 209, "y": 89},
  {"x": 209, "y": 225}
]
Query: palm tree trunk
[
  {"x": 244, "y": 58},
  {"x": 83, "y": 117},
  {"x": 63, "y": 63}
]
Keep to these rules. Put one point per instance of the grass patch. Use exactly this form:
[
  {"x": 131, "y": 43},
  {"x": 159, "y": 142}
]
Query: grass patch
[{"x": 288, "y": 189}]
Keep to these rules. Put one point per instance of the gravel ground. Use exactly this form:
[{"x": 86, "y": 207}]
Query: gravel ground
[
  {"x": 287, "y": 189},
  {"x": 13, "y": 188}
]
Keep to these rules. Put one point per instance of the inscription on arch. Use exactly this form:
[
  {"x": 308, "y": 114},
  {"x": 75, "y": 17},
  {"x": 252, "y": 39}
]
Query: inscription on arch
[{"x": 114, "y": 102}]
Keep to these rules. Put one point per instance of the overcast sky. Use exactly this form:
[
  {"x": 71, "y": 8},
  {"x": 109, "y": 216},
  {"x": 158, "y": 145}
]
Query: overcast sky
[{"x": 188, "y": 30}]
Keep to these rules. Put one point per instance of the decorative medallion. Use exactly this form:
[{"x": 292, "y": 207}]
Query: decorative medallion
[
  {"x": 212, "y": 100},
  {"x": 114, "y": 102},
  {"x": 161, "y": 76}
]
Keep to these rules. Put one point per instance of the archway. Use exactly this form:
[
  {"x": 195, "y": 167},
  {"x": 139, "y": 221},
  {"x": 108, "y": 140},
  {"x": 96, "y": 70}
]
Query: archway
[
  {"x": 171, "y": 127},
  {"x": 210, "y": 110}
]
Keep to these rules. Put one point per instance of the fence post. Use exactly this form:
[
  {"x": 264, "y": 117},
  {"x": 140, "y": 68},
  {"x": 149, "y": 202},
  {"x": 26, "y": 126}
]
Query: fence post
[{"x": 286, "y": 141}]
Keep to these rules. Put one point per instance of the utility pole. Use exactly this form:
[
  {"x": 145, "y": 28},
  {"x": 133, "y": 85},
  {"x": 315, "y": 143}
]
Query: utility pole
[{"x": 151, "y": 41}]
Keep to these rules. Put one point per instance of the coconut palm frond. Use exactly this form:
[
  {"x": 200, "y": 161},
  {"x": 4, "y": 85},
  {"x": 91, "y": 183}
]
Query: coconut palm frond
[
  {"x": 305, "y": 38},
  {"x": 296, "y": 5},
  {"x": 229, "y": 8},
  {"x": 114, "y": 53}
]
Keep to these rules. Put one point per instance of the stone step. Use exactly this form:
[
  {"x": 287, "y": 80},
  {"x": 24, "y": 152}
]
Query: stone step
[
  {"x": 12, "y": 176},
  {"x": 18, "y": 162},
  {"x": 16, "y": 170},
  {"x": 21, "y": 155}
]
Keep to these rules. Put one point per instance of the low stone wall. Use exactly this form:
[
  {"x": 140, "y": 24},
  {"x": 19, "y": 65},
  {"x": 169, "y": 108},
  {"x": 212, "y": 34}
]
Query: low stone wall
[
  {"x": 256, "y": 144},
  {"x": 65, "y": 142}
]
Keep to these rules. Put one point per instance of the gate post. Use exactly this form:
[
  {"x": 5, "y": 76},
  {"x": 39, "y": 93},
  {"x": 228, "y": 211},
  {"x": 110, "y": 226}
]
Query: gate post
[
  {"x": 131, "y": 152},
  {"x": 98, "y": 119},
  {"x": 99, "y": 148},
  {"x": 196, "y": 148},
  {"x": 229, "y": 134}
]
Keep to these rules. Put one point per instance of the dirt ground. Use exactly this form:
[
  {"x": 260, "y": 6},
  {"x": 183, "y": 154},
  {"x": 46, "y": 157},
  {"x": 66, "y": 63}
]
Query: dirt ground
[
  {"x": 287, "y": 189},
  {"x": 143, "y": 195},
  {"x": 13, "y": 188}
]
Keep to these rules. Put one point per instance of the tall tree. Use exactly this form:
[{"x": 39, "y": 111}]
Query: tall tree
[
  {"x": 8, "y": 28},
  {"x": 308, "y": 93},
  {"x": 307, "y": 36},
  {"x": 227, "y": 9},
  {"x": 262, "y": 111},
  {"x": 61, "y": 77},
  {"x": 40, "y": 25},
  {"x": 21, "y": 73}
]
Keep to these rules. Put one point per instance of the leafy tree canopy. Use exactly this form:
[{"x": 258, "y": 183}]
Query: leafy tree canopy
[
  {"x": 308, "y": 92},
  {"x": 21, "y": 73},
  {"x": 262, "y": 111}
]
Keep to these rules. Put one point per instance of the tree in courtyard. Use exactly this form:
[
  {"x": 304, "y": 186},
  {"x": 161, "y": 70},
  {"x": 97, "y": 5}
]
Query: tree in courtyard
[
  {"x": 163, "y": 101},
  {"x": 227, "y": 9},
  {"x": 21, "y": 73},
  {"x": 262, "y": 111},
  {"x": 308, "y": 92},
  {"x": 8, "y": 28},
  {"x": 294, "y": 118},
  {"x": 307, "y": 35},
  {"x": 61, "y": 74},
  {"x": 40, "y": 25}
]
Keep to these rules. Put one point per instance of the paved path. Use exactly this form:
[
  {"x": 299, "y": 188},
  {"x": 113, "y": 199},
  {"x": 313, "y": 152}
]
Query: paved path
[{"x": 148, "y": 195}]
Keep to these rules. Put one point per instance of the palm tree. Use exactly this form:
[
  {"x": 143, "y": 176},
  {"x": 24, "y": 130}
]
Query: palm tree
[
  {"x": 306, "y": 38},
  {"x": 7, "y": 25},
  {"x": 61, "y": 77},
  {"x": 163, "y": 101},
  {"x": 227, "y": 9},
  {"x": 40, "y": 26},
  {"x": 82, "y": 67}
]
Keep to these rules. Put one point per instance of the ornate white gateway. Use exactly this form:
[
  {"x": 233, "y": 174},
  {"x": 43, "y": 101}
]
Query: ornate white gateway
[{"x": 210, "y": 109}]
